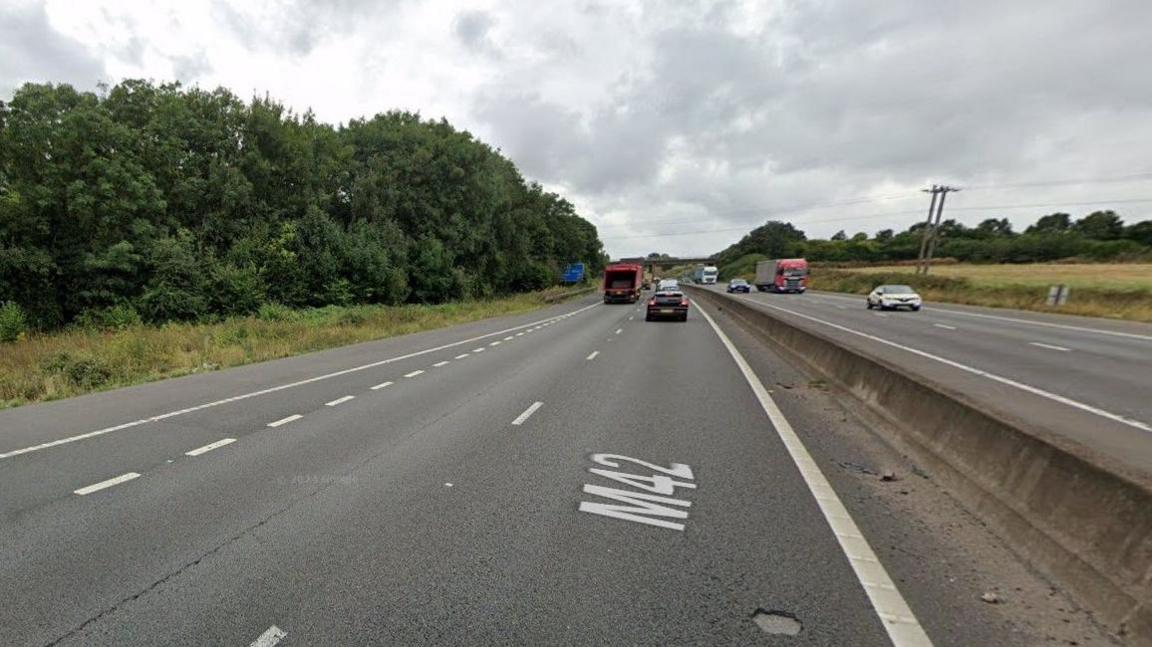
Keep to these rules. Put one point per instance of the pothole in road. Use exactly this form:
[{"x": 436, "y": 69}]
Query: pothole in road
[{"x": 777, "y": 622}]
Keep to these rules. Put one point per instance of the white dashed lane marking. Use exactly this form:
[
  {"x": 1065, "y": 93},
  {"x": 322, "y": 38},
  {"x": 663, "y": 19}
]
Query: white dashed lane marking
[
  {"x": 270, "y": 637},
  {"x": 439, "y": 364},
  {"x": 593, "y": 355},
  {"x": 945, "y": 326},
  {"x": 1050, "y": 346},
  {"x": 527, "y": 413},
  {"x": 414, "y": 373},
  {"x": 284, "y": 421},
  {"x": 461, "y": 356},
  {"x": 339, "y": 401},
  {"x": 96, "y": 487},
  {"x": 381, "y": 385},
  {"x": 207, "y": 448}
]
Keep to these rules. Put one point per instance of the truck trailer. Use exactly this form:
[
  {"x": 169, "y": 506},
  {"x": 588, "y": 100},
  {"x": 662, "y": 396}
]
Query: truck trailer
[
  {"x": 782, "y": 275},
  {"x": 622, "y": 282},
  {"x": 706, "y": 275}
]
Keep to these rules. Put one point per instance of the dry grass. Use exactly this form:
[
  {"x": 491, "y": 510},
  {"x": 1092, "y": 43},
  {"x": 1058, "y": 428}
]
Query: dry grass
[
  {"x": 1116, "y": 276},
  {"x": 1117, "y": 299},
  {"x": 73, "y": 362}
]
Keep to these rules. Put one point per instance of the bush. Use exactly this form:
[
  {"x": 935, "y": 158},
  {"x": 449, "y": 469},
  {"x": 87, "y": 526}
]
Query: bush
[
  {"x": 82, "y": 371},
  {"x": 275, "y": 312},
  {"x": 13, "y": 322},
  {"x": 116, "y": 317},
  {"x": 236, "y": 290}
]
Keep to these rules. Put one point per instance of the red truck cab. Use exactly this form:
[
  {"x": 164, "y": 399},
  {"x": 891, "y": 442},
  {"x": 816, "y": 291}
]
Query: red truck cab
[
  {"x": 782, "y": 275},
  {"x": 622, "y": 282}
]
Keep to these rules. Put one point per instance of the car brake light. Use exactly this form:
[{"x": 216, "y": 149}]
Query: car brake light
[
  {"x": 652, "y": 302},
  {"x": 684, "y": 302}
]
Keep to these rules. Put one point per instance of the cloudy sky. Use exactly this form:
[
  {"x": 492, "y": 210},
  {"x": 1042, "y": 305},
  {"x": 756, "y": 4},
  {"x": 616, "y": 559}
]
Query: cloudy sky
[{"x": 676, "y": 127}]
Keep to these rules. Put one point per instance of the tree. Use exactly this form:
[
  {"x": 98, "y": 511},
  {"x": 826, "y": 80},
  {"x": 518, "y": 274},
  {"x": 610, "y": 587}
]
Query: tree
[
  {"x": 840, "y": 235},
  {"x": 992, "y": 227},
  {"x": 1100, "y": 225},
  {"x": 1056, "y": 223},
  {"x": 1140, "y": 232}
]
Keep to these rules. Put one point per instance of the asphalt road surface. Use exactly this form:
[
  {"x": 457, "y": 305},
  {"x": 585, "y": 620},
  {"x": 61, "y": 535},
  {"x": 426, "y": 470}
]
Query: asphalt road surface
[
  {"x": 575, "y": 476},
  {"x": 1087, "y": 379}
]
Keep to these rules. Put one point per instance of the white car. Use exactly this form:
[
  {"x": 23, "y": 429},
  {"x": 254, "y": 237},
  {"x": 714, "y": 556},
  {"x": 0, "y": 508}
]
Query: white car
[
  {"x": 890, "y": 297},
  {"x": 667, "y": 285}
]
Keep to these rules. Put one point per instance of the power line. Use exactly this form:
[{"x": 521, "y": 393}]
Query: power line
[{"x": 1097, "y": 180}]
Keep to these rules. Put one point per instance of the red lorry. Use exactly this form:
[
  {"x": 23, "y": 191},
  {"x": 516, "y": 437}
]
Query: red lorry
[
  {"x": 622, "y": 282},
  {"x": 782, "y": 275}
]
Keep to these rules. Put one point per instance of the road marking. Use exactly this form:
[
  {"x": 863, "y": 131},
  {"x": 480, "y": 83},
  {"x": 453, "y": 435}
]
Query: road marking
[
  {"x": 890, "y": 606},
  {"x": 945, "y": 326},
  {"x": 619, "y": 330},
  {"x": 381, "y": 385},
  {"x": 479, "y": 350},
  {"x": 879, "y": 314},
  {"x": 520, "y": 334},
  {"x": 495, "y": 343},
  {"x": 976, "y": 371},
  {"x": 96, "y": 487},
  {"x": 593, "y": 354},
  {"x": 631, "y": 317},
  {"x": 207, "y": 448},
  {"x": 439, "y": 364},
  {"x": 274, "y": 389},
  {"x": 509, "y": 338},
  {"x": 284, "y": 421},
  {"x": 339, "y": 401},
  {"x": 1098, "y": 331},
  {"x": 1050, "y": 346},
  {"x": 414, "y": 373},
  {"x": 527, "y": 413},
  {"x": 461, "y": 356},
  {"x": 269, "y": 638}
]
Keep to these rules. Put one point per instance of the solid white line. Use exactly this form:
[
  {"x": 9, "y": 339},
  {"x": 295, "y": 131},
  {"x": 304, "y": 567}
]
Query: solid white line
[
  {"x": 207, "y": 448},
  {"x": 897, "y": 618},
  {"x": 619, "y": 330},
  {"x": 339, "y": 401},
  {"x": 381, "y": 385},
  {"x": 253, "y": 394},
  {"x": 945, "y": 326},
  {"x": 439, "y": 364},
  {"x": 1098, "y": 331},
  {"x": 95, "y": 487},
  {"x": 414, "y": 373},
  {"x": 461, "y": 356},
  {"x": 593, "y": 355},
  {"x": 284, "y": 421},
  {"x": 1050, "y": 346},
  {"x": 269, "y": 638},
  {"x": 527, "y": 413},
  {"x": 975, "y": 371}
]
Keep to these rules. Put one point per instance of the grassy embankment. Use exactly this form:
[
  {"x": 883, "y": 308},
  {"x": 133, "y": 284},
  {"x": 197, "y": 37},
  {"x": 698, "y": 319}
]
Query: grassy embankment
[
  {"x": 72, "y": 362},
  {"x": 1114, "y": 290}
]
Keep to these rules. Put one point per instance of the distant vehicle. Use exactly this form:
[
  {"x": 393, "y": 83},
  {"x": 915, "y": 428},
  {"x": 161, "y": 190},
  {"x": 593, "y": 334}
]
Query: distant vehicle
[
  {"x": 573, "y": 274},
  {"x": 890, "y": 297},
  {"x": 623, "y": 282},
  {"x": 706, "y": 274},
  {"x": 739, "y": 285},
  {"x": 667, "y": 284},
  {"x": 782, "y": 275},
  {"x": 667, "y": 304}
]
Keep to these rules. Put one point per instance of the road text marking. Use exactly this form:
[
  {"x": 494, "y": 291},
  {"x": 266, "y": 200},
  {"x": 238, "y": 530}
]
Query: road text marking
[
  {"x": 527, "y": 413},
  {"x": 274, "y": 389},
  {"x": 414, "y": 373},
  {"x": 284, "y": 421},
  {"x": 1050, "y": 346},
  {"x": 381, "y": 385},
  {"x": 339, "y": 401},
  {"x": 207, "y": 448},
  {"x": 642, "y": 507},
  {"x": 593, "y": 354},
  {"x": 903, "y": 628},
  {"x": 269, "y": 638},
  {"x": 96, "y": 487}
]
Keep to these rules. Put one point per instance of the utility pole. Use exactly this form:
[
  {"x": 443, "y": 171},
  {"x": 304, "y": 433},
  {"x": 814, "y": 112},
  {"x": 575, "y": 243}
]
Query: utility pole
[{"x": 932, "y": 227}]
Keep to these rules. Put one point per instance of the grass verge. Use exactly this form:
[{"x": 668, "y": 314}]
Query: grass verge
[
  {"x": 74, "y": 362},
  {"x": 1132, "y": 303}
]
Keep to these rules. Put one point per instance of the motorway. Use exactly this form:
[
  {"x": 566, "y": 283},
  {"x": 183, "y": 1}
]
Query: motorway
[
  {"x": 570, "y": 476},
  {"x": 1087, "y": 379}
]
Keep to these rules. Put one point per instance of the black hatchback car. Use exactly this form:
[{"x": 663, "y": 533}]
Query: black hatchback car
[
  {"x": 667, "y": 304},
  {"x": 739, "y": 285}
]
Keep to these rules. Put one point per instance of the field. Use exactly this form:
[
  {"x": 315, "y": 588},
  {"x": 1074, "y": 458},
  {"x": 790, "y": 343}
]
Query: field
[
  {"x": 73, "y": 362},
  {"x": 1114, "y": 290},
  {"x": 1118, "y": 276}
]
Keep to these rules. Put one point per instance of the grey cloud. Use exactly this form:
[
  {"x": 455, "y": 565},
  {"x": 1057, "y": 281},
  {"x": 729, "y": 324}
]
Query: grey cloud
[
  {"x": 472, "y": 28},
  {"x": 31, "y": 51},
  {"x": 297, "y": 26}
]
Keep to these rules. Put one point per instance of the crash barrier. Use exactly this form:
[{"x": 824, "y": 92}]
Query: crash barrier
[{"x": 1075, "y": 516}]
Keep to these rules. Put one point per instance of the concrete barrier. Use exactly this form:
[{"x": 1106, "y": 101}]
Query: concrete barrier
[{"x": 1074, "y": 515}]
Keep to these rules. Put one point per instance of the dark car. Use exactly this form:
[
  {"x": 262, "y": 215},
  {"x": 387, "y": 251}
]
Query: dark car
[
  {"x": 739, "y": 285},
  {"x": 667, "y": 304}
]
